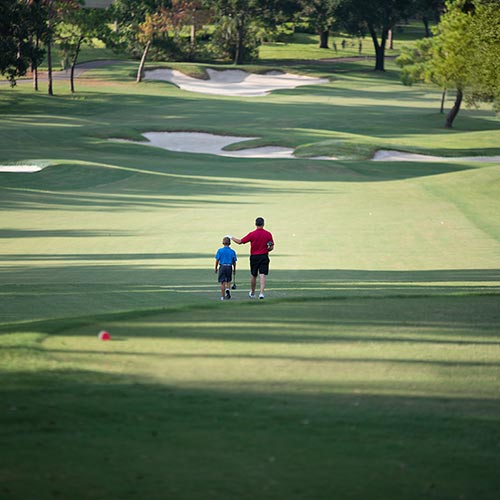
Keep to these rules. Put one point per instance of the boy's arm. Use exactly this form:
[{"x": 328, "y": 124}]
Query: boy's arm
[{"x": 216, "y": 264}]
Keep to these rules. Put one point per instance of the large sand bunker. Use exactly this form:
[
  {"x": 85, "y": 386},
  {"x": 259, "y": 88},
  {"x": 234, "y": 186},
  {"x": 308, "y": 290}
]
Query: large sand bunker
[
  {"x": 234, "y": 82},
  {"x": 198, "y": 142}
]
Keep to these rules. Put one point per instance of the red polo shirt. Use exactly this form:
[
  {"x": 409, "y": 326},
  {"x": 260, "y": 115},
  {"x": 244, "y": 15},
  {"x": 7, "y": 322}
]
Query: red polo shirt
[{"x": 258, "y": 241}]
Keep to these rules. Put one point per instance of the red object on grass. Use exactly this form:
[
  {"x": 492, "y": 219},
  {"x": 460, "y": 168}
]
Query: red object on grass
[{"x": 104, "y": 335}]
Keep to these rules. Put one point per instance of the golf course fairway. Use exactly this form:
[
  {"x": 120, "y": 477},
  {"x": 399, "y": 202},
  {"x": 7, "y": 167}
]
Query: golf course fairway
[{"x": 370, "y": 371}]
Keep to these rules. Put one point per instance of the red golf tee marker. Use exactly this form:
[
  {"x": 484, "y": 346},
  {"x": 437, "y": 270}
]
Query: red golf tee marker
[{"x": 103, "y": 335}]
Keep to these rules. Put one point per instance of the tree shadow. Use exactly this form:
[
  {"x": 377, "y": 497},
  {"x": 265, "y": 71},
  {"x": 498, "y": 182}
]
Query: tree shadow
[
  {"x": 88, "y": 434},
  {"x": 55, "y": 233},
  {"x": 70, "y": 285}
]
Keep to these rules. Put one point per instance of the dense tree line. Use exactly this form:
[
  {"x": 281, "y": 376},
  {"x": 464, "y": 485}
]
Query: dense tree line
[
  {"x": 461, "y": 54},
  {"x": 230, "y": 29}
]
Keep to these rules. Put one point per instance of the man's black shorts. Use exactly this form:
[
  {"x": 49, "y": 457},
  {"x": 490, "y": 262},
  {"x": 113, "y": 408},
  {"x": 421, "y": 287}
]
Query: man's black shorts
[
  {"x": 259, "y": 264},
  {"x": 225, "y": 274}
]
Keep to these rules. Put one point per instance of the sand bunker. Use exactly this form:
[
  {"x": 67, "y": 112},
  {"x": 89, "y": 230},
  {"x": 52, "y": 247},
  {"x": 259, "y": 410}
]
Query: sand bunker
[
  {"x": 198, "y": 142},
  {"x": 234, "y": 82},
  {"x": 20, "y": 169},
  {"x": 400, "y": 156}
]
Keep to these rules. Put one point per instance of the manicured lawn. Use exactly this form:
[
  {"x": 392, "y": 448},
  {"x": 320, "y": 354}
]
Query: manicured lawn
[
  {"x": 360, "y": 398},
  {"x": 371, "y": 369}
]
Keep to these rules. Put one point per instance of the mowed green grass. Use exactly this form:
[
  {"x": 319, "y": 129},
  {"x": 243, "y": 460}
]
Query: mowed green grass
[
  {"x": 115, "y": 226},
  {"x": 360, "y": 398},
  {"x": 371, "y": 369}
]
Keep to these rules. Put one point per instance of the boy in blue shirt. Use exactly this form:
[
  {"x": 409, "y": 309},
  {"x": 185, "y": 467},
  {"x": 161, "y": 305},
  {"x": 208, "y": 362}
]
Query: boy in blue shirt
[{"x": 225, "y": 262}]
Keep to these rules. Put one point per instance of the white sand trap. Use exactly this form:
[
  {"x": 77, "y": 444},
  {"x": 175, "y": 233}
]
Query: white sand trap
[
  {"x": 20, "y": 169},
  {"x": 199, "y": 142},
  {"x": 383, "y": 155},
  {"x": 234, "y": 82}
]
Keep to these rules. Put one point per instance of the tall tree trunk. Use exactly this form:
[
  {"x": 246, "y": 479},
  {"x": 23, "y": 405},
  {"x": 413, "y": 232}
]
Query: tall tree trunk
[
  {"x": 49, "y": 49},
  {"x": 73, "y": 64},
  {"x": 443, "y": 97},
  {"x": 140, "y": 71},
  {"x": 193, "y": 35},
  {"x": 390, "y": 39},
  {"x": 192, "y": 42},
  {"x": 379, "y": 48},
  {"x": 49, "y": 63},
  {"x": 454, "y": 110},
  {"x": 323, "y": 39},
  {"x": 35, "y": 78},
  {"x": 34, "y": 67},
  {"x": 238, "y": 55},
  {"x": 426, "y": 26}
]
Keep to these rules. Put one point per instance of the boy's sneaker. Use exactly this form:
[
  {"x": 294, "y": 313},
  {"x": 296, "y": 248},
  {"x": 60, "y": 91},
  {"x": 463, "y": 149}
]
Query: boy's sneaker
[
  {"x": 261, "y": 296},
  {"x": 222, "y": 298},
  {"x": 228, "y": 293},
  {"x": 251, "y": 295}
]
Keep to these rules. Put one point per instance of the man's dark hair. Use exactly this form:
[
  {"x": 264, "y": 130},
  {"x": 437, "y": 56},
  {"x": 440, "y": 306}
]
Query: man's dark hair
[{"x": 259, "y": 221}]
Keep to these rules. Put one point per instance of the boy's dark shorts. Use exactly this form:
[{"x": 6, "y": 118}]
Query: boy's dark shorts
[
  {"x": 259, "y": 264},
  {"x": 225, "y": 274}
]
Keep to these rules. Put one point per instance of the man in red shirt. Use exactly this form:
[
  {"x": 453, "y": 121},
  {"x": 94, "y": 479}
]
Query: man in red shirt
[{"x": 261, "y": 243}]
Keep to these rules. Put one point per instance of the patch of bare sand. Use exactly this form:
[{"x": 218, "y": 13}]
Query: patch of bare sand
[
  {"x": 234, "y": 82},
  {"x": 20, "y": 169},
  {"x": 384, "y": 155},
  {"x": 199, "y": 142}
]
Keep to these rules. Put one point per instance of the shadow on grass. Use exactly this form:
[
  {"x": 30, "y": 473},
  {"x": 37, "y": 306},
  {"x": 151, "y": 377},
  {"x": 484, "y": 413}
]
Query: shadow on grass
[
  {"x": 55, "y": 286},
  {"x": 105, "y": 114},
  {"x": 58, "y": 233},
  {"x": 89, "y": 435},
  {"x": 113, "y": 187},
  {"x": 100, "y": 257}
]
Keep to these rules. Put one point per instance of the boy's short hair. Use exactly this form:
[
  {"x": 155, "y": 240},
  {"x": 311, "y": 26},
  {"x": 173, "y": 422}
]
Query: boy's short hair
[
  {"x": 226, "y": 240},
  {"x": 259, "y": 221}
]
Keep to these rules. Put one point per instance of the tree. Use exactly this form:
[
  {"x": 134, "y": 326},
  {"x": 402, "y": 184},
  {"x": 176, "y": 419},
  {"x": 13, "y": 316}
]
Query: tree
[
  {"x": 55, "y": 11},
  {"x": 463, "y": 55},
  {"x": 76, "y": 27},
  {"x": 429, "y": 11},
  {"x": 239, "y": 22},
  {"x": 452, "y": 53},
  {"x": 322, "y": 15},
  {"x": 376, "y": 17},
  {"x": 485, "y": 64},
  {"x": 129, "y": 15},
  {"x": 235, "y": 31},
  {"x": 37, "y": 27},
  {"x": 157, "y": 23},
  {"x": 416, "y": 67},
  {"x": 16, "y": 45},
  {"x": 192, "y": 13}
]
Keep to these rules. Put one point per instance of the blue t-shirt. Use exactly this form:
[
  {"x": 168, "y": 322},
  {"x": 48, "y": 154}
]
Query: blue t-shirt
[{"x": 226, "y": 256}]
